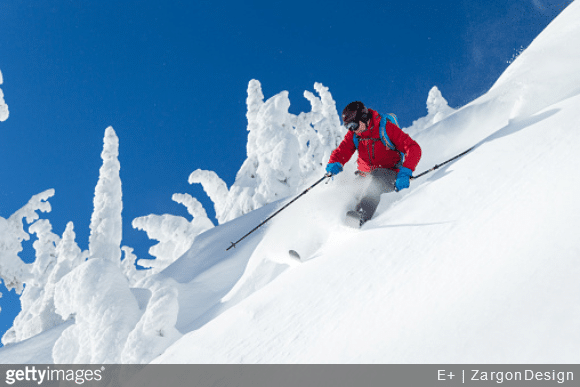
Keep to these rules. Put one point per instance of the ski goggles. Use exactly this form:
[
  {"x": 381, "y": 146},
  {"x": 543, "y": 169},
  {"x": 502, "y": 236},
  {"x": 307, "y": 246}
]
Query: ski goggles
[
  {"x": 352, "y": 126},
  {"x": 349, "y": 119}
]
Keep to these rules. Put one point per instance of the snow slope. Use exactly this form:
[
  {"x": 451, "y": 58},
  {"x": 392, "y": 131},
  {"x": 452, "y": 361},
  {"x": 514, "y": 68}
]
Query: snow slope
[{"x": 475, "y": 263}]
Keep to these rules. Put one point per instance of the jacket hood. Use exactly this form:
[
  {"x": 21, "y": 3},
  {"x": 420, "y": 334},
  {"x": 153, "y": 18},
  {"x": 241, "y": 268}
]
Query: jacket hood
[{"x": 372, "y": 126}]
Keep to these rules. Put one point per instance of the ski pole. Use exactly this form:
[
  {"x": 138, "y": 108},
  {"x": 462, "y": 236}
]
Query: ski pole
[
  {"x": 233, "y": 244},
  {"x": 442, "y": 164}
]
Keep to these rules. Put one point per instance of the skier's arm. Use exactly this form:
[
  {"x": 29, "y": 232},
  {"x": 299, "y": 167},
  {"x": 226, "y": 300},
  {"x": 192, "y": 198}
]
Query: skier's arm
[
  {"x": 344, "y": 151},
  {"x": 404, "y": 143}
]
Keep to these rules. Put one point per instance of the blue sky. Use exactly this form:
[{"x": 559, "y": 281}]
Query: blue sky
[{"x": 171, "y": 78}]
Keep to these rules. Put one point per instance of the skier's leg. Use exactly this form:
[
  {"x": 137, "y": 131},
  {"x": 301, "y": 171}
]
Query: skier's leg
[{"x": 381, "y": 181}]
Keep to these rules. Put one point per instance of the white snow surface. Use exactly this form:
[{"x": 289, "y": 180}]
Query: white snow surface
[{"x": 476, "y": 263}]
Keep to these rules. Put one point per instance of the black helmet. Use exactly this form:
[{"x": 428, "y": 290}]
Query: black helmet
[{"x": 353, "y": 113}]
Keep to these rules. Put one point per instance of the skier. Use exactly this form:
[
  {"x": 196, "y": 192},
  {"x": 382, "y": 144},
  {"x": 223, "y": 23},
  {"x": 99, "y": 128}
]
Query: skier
[{"x": 386, "y": 160}]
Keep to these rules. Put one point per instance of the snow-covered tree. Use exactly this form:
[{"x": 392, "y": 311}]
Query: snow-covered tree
[
  {"x": 272, "y": 168},
  {"x": 437, "y": 106},
  {"x": 129, "y": 266},
  {"x": 13, "y": 271},
  {"x": 284, "y": 151},
  {"x": 218, "y": 192},
  {"x": 105, "y": 311},
  {"x": 55, "y": 257},
  {"x": 97, "y": 293},
  {"x": 69, "y": 254},
  {"x": 174, "y": 233},
  {"x": 106, "y": 220},
  {"x": 437, "y": 110},
  {"x": 35, "y": 316},
  {"x": 45, "y": 248},
  {"x": 155, "y": 331},
  {"x": 3, "y": 107},
  {"x": 319, "y": 132}
]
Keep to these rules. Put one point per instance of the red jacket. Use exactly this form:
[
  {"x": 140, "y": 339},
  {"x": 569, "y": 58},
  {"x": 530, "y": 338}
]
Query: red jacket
[{"x": 374, "y": 154}]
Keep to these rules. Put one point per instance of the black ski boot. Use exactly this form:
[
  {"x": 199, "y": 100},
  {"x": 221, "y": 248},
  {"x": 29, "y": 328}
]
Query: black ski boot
[{"x": 355, "y": 219}]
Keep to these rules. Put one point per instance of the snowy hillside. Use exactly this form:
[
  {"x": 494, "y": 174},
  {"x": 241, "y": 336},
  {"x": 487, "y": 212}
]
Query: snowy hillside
[{"x": 477, "y": 262}]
